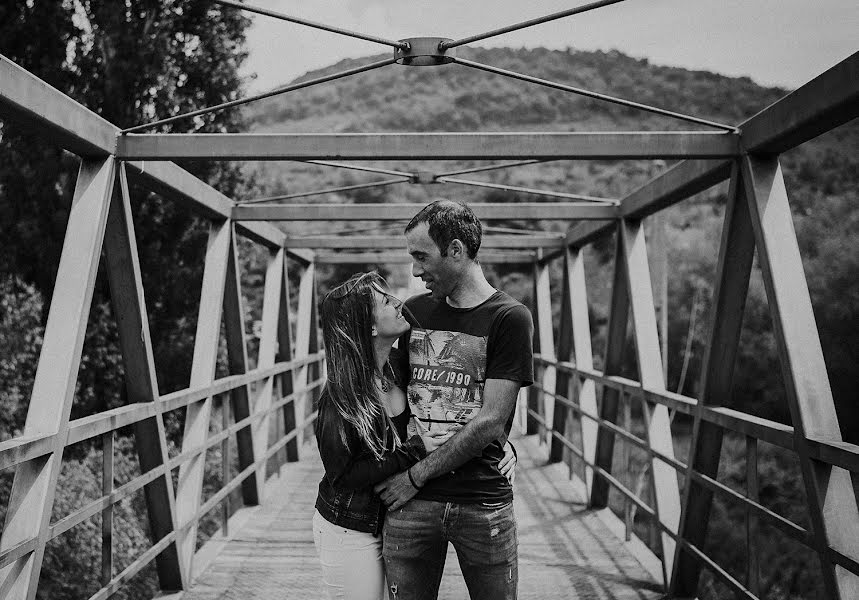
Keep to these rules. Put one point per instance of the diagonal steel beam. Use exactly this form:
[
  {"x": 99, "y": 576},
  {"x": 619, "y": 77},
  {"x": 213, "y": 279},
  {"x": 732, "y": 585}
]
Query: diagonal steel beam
[
  {"x": 559, "y": 15},
  {"x": 314, "y": 25},
  {"x": 583, "y": 92},
  {"x": 326, "y": 163},
  {"x": 345, "y": 188},
  {"x": 518, "y": 163},
  {"x": 289, "y": 88},
  {"x": 525, "y": 190}
]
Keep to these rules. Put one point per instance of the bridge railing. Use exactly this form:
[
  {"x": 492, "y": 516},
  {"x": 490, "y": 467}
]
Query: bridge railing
[
  {"x": 263, "y": 412},
  {"x": 757, "y": 220},
  {"x": 753, "y": 428}
]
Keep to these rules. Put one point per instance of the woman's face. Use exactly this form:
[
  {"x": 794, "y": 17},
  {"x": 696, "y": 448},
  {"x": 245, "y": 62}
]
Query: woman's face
[{"x": 390, "y": 322}]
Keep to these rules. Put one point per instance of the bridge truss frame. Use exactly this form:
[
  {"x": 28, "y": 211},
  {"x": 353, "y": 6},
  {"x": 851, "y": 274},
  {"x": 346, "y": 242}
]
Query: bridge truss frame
[{"x": 288, "y": 375}]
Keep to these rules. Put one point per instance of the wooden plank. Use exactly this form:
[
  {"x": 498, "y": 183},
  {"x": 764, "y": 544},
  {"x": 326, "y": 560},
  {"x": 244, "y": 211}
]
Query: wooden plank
[
  {"x": 829, "y": 490},
  {"x": 649, "y": 360},
  {"x": 736, "y": 253},
  {"x": 129, "y": 306},
  {"x": 827, "y": 101},
  {"x": 197, "y": 415},
  {"x": 427, "y": 146},
  {"x": 486, "y": 211},
  {"x": 398, "y": 242},
  {"x": 564, "y": 384},
  {"x": 237, "y": 364},
  {"x": 486, "y": 256},
  {"x": 32, "y": 496},
  {"x": 613, "y": 363}
]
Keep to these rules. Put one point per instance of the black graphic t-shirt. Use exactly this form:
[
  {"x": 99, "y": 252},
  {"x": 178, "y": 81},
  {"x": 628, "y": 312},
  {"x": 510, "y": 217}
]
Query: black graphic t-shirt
[{"x": 451, "y": 354}]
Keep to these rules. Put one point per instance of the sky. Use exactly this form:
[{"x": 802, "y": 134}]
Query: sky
[{"x": 775, "y": 42}]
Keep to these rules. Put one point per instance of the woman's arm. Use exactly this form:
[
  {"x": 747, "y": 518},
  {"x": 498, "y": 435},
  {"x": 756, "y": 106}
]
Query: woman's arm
[{"x": 349, "y": 468}]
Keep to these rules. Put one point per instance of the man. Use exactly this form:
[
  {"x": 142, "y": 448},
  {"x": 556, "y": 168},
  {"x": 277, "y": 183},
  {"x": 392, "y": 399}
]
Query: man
[{"x": 469, "y": 352}]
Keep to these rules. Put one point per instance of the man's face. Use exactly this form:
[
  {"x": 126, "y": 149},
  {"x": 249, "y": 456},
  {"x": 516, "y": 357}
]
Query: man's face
[{"x": 437, "y": 272}]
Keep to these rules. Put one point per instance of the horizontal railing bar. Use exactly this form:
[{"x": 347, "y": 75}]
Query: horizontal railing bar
[
  {"x": 134, "y": 568},
  {"x": 81, "y": 515},
  {"x": 110, "y": 420},
  {"x": 617, "y": 429},
  {"x": 590, "y": 145},
  {"x": 93, "y": 508},
  {"x": 843, "y": 560},
  {"x": 182, "y": 398},
  {"x": 7, "y": 557},
  {"x": 589, "y": 94},
  {"x": 150, "y": 554},
  {"x": 603, "y": 473},
  {"x": 786, "y": 526},
  {"x": 836, "y": 453},
  {"x": 312, "y": 24},
  {"x": 771, "y": 432},
  {"x": 24, "y": 448},
  {"x": 526, "y": 190},
  {"x": 247, "y": 472},
  {"x": 721, "y": 573}
]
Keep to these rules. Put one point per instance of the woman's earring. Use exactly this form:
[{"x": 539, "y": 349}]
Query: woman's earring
[{"x": 373, "y": 331}]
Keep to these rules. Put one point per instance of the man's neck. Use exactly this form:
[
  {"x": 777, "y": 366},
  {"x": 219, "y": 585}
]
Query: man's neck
[{"x": 472, "y": 290}]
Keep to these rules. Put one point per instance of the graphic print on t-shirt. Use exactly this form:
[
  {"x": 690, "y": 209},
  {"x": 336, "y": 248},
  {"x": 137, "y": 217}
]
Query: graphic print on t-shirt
[{"x": 448, "y": 371}]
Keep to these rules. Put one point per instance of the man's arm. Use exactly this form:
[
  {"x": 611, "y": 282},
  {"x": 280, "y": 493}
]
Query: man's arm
[{"x": 487, "y": 425}]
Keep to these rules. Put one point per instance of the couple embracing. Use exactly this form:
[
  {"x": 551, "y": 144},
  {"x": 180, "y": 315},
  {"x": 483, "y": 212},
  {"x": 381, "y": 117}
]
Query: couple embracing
[{"x": 413, "y": 440}]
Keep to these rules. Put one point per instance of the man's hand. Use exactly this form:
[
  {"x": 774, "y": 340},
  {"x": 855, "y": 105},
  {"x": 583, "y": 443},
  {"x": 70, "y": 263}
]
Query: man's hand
[
  {"x": 433, "y": 441},
  {"x": 396, "y": 490},
  {"x": 507, "y": 463}
]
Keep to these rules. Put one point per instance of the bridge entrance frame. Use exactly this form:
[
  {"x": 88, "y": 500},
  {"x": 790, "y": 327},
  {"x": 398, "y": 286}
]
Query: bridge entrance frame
[{"x": 289, "y": 375}]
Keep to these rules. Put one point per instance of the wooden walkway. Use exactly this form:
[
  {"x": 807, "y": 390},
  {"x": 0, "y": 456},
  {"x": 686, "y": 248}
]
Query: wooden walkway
[{"x": 565, "y": 550}]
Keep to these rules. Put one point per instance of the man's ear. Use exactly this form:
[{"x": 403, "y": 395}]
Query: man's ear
[{"x": 456, "y": 249}]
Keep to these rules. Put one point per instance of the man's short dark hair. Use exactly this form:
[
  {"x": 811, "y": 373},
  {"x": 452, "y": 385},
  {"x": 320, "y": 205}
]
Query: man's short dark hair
[{"x": 449, "y": 220}]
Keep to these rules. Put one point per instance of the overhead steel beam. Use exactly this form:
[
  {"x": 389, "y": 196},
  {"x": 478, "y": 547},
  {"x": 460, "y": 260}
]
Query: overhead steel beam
[
  {"x": 428, "y": 146},
  {"x": 404, "y": 212},
  {"x": 380, "y": 242},
  {"x": 37, "y": 108},
  {"x": 403, "y": 258},
  {"x": 827, "y": 101}
]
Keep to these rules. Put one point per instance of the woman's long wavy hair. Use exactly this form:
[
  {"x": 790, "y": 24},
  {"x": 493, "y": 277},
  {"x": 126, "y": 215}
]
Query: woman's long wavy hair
[{"x": 347, "y": 322}]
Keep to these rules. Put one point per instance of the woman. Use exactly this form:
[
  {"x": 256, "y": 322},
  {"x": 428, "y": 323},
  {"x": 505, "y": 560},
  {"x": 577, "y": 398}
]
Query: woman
[{"x": 361, "y": 434}]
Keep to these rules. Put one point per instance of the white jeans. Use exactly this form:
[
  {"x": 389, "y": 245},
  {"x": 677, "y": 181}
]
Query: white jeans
[{"x": 352, "y": 567}]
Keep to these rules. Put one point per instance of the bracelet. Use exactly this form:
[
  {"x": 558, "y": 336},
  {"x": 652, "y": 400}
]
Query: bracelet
[{"x": 412, "y": 479}]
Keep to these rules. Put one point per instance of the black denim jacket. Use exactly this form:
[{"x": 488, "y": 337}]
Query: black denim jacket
[{"x": 346, "y": 495}]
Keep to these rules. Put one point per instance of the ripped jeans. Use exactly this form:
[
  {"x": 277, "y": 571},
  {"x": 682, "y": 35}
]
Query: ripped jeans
[{"x": 483, "y": 535}]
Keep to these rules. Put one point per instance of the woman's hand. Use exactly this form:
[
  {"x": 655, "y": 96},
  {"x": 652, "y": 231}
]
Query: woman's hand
[
  {"x": 507, "y": 463},
  {"x": 434, "y": 440}
]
